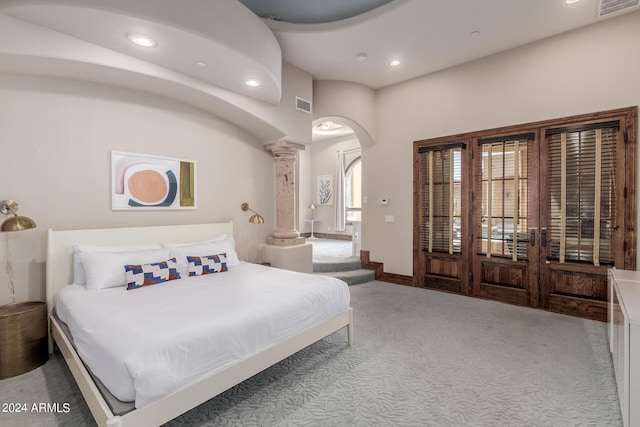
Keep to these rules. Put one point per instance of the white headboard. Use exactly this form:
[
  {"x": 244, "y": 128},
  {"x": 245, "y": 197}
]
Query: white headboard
[{"x": 60, "y": 245}]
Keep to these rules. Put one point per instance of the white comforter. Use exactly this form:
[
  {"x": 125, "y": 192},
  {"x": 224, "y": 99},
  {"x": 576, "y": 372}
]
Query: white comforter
[{"x": 148, "y": 342}]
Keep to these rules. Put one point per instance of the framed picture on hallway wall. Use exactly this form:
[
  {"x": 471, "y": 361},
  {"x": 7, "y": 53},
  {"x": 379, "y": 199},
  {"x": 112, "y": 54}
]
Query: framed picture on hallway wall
[
  {"x": 325, "y": 190},
  {"x": 147, "y": 182}
]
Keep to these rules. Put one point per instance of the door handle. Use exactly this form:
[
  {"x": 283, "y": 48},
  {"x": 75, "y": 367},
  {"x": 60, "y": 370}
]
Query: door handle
[
  {"x": 532, "y": 239},
  {"x": 543, "y": 237}
]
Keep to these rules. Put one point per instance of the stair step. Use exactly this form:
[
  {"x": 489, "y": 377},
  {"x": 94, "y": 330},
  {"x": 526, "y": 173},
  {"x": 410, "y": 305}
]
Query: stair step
[
  {"x": 345, "y": 264},
  {"x": 353, "y": 277}
]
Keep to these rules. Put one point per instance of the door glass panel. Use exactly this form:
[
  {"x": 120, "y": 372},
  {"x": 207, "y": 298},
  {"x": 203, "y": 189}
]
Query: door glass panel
[
  {"x": 582, "y": 198},
  {"x": 504, "y": 212},
  {"x": 442, "y": 210}
]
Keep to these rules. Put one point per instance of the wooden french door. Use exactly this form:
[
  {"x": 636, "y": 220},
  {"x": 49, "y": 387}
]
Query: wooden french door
[
  {"x": 583, "y": 219},
  {"x": 441, "y": 203},
  {"x": 505, "y": 218},
  {"x": 532, "y": 215}
]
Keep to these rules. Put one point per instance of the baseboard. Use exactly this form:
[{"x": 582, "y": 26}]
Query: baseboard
[{"x": 378, "y": 268}]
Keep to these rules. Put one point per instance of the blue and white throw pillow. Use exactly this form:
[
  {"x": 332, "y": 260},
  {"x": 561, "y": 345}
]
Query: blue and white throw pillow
[
  {"x": 141, "y": 275},
  {"x": 199, "y": 265}
]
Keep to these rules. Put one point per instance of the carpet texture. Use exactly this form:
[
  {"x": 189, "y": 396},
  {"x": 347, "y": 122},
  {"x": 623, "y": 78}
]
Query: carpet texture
[
  {"x": 420, "y": 358},
  {"x": 327, "y": 250}
]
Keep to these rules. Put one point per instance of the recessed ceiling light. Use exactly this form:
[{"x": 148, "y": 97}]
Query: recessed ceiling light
[
  {"x": 394, "y": 63},
  {"x": 201, "y": 63},
  {"x": 252, "y": 83},
  {"x": 362, "y": 57},
  {"x": 475, "y": 33},
  {"x": 141, "y": 40},
  {"x": 328, "y": 125}
]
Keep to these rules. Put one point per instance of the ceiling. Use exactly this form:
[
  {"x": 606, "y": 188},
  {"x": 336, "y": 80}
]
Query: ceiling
[
  {"x": 208, "y": 51},
  {"x": 347, "y": 40},
  {"x": 190, "y": 39},
  {"x": 424, "y": 35}
]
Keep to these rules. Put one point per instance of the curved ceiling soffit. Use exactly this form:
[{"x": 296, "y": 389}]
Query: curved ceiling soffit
[
  {"x": 73, "y": 18},
  {"x": 225, "y": 109},
  {"x": 361, "y": 133}
]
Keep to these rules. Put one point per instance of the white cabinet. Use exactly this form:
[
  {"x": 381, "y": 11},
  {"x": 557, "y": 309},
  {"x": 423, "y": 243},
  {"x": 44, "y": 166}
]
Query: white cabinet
[{"x": 624, "y": 340}]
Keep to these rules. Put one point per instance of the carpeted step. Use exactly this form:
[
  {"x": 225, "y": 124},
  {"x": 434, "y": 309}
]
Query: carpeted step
[
  {"x": 353, "y": 277},
  {"x": 344, "y": 264}
]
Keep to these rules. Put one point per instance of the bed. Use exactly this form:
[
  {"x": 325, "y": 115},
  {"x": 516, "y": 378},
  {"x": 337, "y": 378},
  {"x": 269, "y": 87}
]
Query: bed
[{"x": 276, "y": 330}]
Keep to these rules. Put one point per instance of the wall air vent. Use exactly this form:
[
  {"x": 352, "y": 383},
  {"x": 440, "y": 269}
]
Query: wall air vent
[
  {"x": 303, "y": 105},
  {"x": 610, "y": 7}
]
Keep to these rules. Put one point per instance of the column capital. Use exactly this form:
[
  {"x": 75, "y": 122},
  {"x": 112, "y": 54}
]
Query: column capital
[{"x": 284, "y": 148}]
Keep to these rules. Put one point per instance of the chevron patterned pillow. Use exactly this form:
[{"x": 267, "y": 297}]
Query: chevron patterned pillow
[
  {"x": 141, "y": 275},
  {"x": 199, "y": 265}
]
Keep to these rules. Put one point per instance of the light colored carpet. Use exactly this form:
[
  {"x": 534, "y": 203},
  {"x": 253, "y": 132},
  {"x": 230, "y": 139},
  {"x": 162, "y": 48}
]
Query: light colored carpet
[
  {"x": 326, "y": 250},
  {"x": 420, "y": 358}
]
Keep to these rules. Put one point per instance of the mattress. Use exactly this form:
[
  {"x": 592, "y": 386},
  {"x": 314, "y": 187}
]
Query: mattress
[{"x": 146, "y": 343}]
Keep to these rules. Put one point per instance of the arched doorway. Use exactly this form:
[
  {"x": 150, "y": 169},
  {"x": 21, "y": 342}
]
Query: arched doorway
[{"x": 334, "y": 205}]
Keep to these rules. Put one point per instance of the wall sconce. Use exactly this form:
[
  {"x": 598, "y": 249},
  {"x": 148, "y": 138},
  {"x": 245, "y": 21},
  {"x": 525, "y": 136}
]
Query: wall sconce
[
  {"x": 256, "y": 218},
  {"x": 16, "y": 222}
]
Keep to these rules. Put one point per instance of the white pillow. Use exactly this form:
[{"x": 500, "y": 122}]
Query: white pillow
[
  {"x": 106, "y": 269},
  {"x": 228, "y": 245},
  {"x": 225, "y": 245},
  {"x": 78, "y": 250},
  {"x": 182, "y": 245}
]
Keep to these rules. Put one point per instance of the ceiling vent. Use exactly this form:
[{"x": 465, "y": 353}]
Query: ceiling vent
[
  {"x": 303, "y": 105},
  {"x": 609, "y": 7}
]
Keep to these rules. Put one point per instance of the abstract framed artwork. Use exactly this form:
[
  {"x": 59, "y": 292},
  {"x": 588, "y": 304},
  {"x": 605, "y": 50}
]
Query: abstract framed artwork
[
  {"x": 147, "y": 182},
  {"x": 325, "y": 190}
]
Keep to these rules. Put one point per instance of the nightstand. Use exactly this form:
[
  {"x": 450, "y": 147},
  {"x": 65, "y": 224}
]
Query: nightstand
[{"x": 23, "y": 337}]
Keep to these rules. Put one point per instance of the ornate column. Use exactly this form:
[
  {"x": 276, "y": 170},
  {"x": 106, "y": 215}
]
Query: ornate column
[
  {"x": 286, "y": 249},
  {"x": 285, "y": 156}
]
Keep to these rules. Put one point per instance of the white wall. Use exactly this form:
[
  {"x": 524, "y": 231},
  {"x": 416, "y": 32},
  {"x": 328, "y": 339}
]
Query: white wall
[
  {"x": 55, "y": 149},
  {"x": 295, "y": 82},
  {"x": 591, "y": 69}
]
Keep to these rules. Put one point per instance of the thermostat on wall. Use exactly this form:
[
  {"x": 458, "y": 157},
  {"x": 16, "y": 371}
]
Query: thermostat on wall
[{"x": 384, "y": 201}]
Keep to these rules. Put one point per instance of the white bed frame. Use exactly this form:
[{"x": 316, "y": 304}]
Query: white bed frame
[{"x": 60, "y": 274}]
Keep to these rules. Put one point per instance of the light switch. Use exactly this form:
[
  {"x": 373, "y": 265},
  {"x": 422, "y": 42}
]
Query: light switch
[{"x": 384, "y": 201}]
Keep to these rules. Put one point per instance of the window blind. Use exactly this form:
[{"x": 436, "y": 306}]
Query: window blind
[
  {"x": 504, "y": 174},
  {"x": 582, "y": 198},
  {"x": 442, "y": 199}
]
